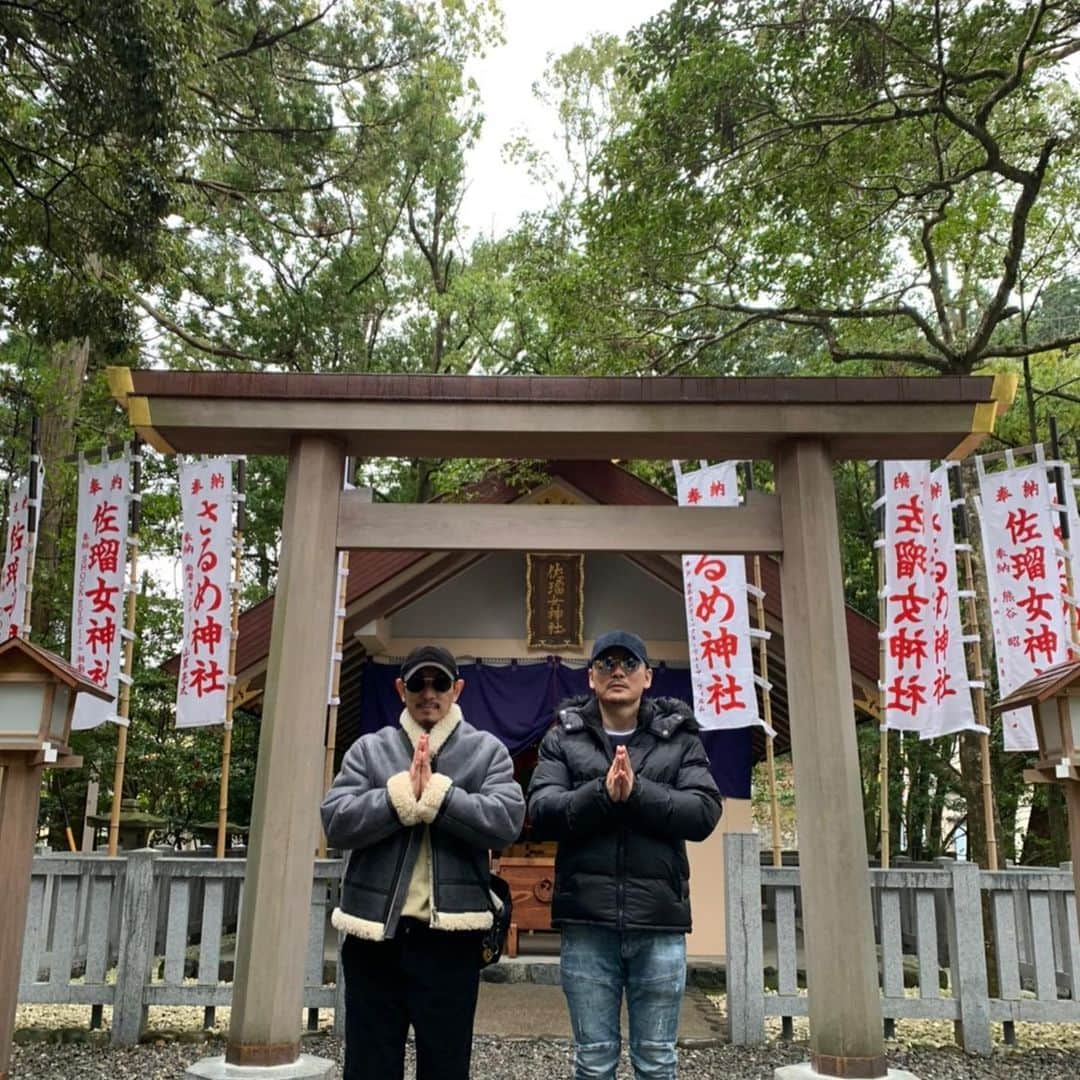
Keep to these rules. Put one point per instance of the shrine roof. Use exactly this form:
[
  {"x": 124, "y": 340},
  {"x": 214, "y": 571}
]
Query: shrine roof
[
  {"x": 18, "y": 653},
  {"x": 1042, "y": 687},
  {"x": 561, "y": 417}
]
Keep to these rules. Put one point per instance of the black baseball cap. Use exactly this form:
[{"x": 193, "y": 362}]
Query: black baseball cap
[
  {"x": 620, "y": 639},
  {"x": 429, "y": 656}
]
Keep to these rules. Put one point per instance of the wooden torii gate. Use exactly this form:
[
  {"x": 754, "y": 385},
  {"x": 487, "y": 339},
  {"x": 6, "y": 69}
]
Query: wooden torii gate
[{"x": 803, "y": 425}]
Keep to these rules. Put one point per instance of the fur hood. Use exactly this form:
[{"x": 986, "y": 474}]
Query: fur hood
[{"x": 662, "y": 715}]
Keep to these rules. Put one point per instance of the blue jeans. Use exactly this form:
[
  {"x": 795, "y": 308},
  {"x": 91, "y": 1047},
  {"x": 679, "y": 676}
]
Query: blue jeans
[{"x": 598, "y": 964}]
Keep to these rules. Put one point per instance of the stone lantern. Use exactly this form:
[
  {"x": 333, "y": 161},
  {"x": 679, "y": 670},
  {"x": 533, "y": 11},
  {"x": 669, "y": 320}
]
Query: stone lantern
[{"x": 37, "y": 698}]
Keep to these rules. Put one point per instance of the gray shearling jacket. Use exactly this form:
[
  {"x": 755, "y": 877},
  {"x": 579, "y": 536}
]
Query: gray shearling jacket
[{"x": 471, "y": 804}]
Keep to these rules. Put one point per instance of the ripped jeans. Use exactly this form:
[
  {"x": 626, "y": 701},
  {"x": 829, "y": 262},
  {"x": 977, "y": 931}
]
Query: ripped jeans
[{"x": 597, "y": 965}]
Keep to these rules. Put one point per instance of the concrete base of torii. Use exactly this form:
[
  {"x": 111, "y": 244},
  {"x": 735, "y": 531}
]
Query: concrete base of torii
[
  {"x": 805, "y": 1071},
  {"x": 305, "y": 1067}
]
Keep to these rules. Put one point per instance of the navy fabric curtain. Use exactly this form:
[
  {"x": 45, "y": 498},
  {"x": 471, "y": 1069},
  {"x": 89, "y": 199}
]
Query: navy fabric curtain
[{"x": 516, "y": 703}]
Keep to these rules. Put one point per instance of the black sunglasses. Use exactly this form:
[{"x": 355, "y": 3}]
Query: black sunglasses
[
  {"x": 608, "y": 664},
  {"x": 416, "y": 682}
]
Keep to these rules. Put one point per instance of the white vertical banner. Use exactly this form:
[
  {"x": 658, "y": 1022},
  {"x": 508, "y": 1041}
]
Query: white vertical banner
[
  {"x": 909, "y": 611},
  {"x": 1031, "y": 633},
  {"x": 17, "y": 554},
  {"x": 717, "y": 614},
  {"x": 950, "y": 691},
  {"x": 206, "y": 503},
  {"x": 97, "y": 603}
]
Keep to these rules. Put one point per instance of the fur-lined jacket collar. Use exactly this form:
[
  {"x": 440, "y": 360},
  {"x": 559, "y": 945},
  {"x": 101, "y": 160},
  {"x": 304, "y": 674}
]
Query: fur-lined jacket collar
[
  {"x": 438, "y": 735},
  {"x": 663, "y": 716}
]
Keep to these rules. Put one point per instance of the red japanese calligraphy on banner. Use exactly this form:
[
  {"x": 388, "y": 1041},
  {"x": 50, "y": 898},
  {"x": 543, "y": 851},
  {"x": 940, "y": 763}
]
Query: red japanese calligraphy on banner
[
  {"x": 17, "y": 555},
  {"x": 206, "y": 570},
  {"x": 97, "y": 606},
  {"x": 909, "y": 591},
  {"x": 717, "y": 614},
  {"x": 1024, "y": 579},
  {"x": 925, "y": 674}
]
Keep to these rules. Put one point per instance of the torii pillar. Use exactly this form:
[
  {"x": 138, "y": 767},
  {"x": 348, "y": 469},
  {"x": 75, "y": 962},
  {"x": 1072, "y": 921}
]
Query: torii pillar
[
  {"x": 272, "y": 935},
  {"x": 846, "y": 1034}
]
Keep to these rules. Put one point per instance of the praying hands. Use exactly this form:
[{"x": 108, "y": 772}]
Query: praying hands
[
  {"x": 420, "y": 767},
  {"x": 620, "y": 777}
]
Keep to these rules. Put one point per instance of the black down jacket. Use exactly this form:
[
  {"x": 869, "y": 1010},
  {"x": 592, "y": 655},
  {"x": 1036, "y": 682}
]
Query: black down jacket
[{"x": 623, "y": 864}]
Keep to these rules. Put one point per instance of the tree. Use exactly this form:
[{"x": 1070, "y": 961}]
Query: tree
[
  {"x": 883, "y": 178},
  {"x": 210, "y": 182}
]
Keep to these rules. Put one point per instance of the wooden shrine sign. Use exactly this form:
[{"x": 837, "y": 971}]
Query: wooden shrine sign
[{"x": 554, "y": 600}]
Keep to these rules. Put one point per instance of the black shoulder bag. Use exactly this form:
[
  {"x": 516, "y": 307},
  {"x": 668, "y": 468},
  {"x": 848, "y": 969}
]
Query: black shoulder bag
[{"x": 493, "y": 940}]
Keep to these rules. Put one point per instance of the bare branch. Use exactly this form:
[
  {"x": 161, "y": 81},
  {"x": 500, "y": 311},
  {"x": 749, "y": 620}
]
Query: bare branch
[{"x": 262, "y": 39}]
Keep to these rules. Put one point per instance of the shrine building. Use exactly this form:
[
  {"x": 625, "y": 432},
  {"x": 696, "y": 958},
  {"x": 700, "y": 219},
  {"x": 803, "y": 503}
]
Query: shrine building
[{"x": 493, "y": 612}]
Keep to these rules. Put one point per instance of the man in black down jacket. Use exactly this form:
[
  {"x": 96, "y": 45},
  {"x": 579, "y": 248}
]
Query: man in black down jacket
[{"x": 622, "y": 784}]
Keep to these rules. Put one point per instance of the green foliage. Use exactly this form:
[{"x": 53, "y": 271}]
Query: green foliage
[
  {"x": 751, "y": 188},
  {"x": 880, "y": 180}
]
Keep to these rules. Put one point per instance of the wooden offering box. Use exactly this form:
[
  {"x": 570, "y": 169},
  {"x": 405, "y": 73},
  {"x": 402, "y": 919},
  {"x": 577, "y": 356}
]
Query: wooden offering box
[{"x": 529, "y": 870}]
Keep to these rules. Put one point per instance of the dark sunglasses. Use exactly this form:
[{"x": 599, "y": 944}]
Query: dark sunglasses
[
  {"x": 440, "y": 681},
  {"x": 608, "y": 664}
]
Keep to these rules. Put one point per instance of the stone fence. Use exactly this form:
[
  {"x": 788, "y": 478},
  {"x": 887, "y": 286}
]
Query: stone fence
[
  {"x": 148, "y": 929},
  {"x": 935, "y": 929}
]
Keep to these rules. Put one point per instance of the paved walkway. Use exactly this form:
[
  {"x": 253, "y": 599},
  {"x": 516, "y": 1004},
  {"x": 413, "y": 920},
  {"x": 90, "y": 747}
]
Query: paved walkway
[{"x": 528, "y": 1010}]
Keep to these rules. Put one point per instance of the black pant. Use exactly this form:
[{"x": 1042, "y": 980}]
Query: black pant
[{"x": 424, "y": 977}]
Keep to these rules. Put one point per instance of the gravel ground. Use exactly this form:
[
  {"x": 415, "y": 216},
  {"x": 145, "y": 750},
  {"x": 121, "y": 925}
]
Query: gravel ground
[
  {"x": 509, "y": 1059},
  {"x": 55, "y": 1047}
]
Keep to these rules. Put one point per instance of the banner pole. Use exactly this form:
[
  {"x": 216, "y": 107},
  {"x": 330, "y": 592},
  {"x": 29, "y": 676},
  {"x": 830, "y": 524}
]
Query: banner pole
[
  {"x": 123, "y": 705},
  {"x": 766, "y": 694},
  {"x": 976, "y": 659},
  {"x": 333, "y": 705},
  {"x": 335, "y": 687},
  {"x": 1066, "y": 531},
  {"x": 234, "y": 634},
  {"x": 883, "y": 730},
  {"x": 33, "y": 497}
]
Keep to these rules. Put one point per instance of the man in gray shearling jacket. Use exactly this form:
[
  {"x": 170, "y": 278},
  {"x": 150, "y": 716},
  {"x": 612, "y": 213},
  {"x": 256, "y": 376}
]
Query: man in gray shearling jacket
[{"x": 418, "y": 806}]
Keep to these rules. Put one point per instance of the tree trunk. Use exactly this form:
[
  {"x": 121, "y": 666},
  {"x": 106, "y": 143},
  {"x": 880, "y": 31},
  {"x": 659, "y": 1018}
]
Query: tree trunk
[
  {"x": 59, "y": 409},
  {"x": 424, "y": 472},
  {"x": 895, "y": 789},
  {"x": 971, "y": 783},
  {"x": 935, "y": 824}
]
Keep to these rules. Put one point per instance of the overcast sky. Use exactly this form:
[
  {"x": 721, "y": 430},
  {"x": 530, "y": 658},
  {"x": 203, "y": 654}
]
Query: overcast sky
[{"x": 499, "y": 192}]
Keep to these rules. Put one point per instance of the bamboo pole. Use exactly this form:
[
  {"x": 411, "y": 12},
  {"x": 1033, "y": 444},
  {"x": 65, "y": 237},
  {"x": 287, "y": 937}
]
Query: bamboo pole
[
  {"x": 63, "y": 811},
  {"x": 234, "y": 634},
  {"x": 986, "y": 781},
  {"x": 979, "y": 672},
  {"x": 123, "y": 705},
  {"x": 766, "y": 694},
  {"x": 335, "y": 684},
  {"x": 766, "y": 701},
  {"x": 883, "y": 731},
  {"x": 33, "y": 496}
]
